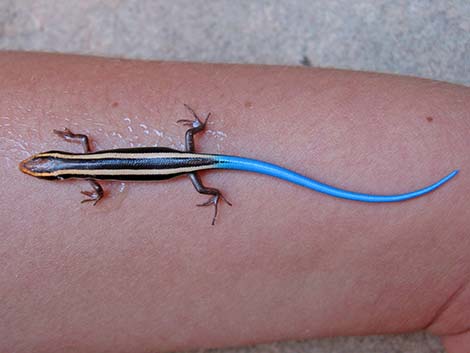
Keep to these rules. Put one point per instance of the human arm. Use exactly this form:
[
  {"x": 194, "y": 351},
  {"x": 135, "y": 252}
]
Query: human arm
[{"x": 145, "y": 270}]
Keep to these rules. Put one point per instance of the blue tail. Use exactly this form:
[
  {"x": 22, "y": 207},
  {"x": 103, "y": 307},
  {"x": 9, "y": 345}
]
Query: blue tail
[{"x": 252, "y": 165}]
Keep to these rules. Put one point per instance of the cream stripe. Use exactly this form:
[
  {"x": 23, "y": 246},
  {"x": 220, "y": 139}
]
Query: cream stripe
[
  {"x": 92, "y": 172},
  {"x": 125, "y": 155}
]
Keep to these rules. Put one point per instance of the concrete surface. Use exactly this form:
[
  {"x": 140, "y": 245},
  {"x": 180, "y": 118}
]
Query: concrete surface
[{"x": 426, "y": 38}]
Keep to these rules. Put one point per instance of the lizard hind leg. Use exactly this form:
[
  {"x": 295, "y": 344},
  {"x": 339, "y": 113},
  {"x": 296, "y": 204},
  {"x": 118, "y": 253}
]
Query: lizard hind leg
[
  {"x": 216, "y": 195},
  {"x": 197, "y": 125}
]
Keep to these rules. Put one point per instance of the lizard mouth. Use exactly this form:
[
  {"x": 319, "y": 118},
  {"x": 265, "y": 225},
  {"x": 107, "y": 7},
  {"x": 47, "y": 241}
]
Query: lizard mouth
[{"x": 26, "y": 166}]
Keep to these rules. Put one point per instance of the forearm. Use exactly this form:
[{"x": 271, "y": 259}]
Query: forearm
[{"x": 147, "y": 271}]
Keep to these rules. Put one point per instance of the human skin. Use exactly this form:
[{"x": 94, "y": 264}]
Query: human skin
[{"x": 145, "y": 271}]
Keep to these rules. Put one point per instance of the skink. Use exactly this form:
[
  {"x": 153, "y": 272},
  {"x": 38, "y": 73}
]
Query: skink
[{"x": 160, "y": 163}]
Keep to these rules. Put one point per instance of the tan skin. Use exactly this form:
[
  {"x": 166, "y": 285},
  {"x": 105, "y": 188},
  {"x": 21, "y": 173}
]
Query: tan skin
[{"x": 144, "y": 270}]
